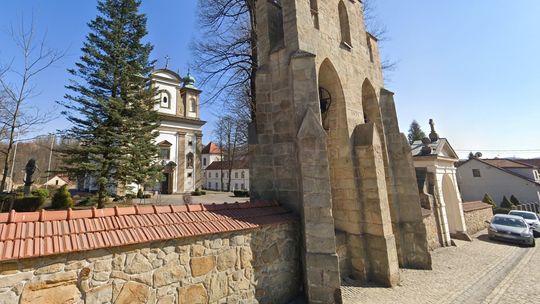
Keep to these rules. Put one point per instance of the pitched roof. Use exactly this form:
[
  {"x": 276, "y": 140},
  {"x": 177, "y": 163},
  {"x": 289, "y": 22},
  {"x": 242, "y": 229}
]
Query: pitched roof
[
  {"x": 35, "y": 234},
  {"x": 241, "y": 163},
  {"x": 486, "y": 161},
  {"x": 440, "y": 147},
  {"x": 211, "y": 148},
  {"x": 506, "y": 163},
  {"x": 535, "y": 162}
]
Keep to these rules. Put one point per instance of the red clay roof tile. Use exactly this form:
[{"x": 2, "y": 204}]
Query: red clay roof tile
[{"x": 34, "y": 234}]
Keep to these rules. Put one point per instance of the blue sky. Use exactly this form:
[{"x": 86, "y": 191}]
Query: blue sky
[{"x": 472, "y": 66}]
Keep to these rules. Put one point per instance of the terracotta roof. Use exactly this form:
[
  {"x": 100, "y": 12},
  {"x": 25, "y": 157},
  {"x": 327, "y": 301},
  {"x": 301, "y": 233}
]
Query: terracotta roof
[
  {"x": 535, "y": 162},
  {"x": 476, "y": 205},
  {"x": 241, "y": 163},
  {"x": 506, "y": 163},
  {"x": 35, "y": 234},
  {"x": 211, "y": 148}
]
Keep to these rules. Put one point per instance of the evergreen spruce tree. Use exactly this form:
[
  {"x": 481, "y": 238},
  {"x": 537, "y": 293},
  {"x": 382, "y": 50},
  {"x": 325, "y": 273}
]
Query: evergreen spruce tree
[
  {"x": 489, "y": 200},
  {"x": 506, "y": 203},
  {"x": 112, "y": 104},
  {"x": 514, "y": 200},
  {"x": 415, "y": 132}
]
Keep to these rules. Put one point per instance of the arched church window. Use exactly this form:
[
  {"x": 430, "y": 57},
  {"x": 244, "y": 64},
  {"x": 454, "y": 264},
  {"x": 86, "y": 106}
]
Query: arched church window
[
  {"x": 193, "y": 105},
  {"x": 275, "y": 24},
  {"x": 344, "y": 24},
  {"x": 189, "y": 160},
  {"x": 165, "y": 100},
  {"x": 314, "y": 7}
]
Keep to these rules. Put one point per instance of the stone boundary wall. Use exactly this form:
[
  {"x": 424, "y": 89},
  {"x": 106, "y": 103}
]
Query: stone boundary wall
[
  {"x": 252, "y": 266},
  {"x": 476, "y": 213}
]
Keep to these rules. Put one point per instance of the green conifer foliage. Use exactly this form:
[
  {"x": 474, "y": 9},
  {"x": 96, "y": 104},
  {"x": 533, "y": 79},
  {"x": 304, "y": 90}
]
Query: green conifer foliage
[
  {"x": 62, "y": 198},
  {"x": 506, "y": 203},
  {"x": 111, "y": 104},
  {"x": 489, "y": 200},
  {"x": 514, "y": 200},
  {"x": 415, "y": 132}
]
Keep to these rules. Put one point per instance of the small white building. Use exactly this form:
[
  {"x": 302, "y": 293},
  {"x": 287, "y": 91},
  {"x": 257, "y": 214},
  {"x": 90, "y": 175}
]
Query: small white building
[
  {"x": 434, "y": 161},
  {"x": 499, "y": 178},
  {"x": 239, "y": 175},
  {"x": 57, "y": 181},
  {"x": 210, "y": 153}
]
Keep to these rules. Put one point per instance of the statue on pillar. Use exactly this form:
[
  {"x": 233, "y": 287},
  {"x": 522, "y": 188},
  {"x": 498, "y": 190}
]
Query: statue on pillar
[
  {"x": 30, "y": 169},
  {"x": 433, "y": 136}
]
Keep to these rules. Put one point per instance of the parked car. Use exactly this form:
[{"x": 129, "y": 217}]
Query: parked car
[
  {"x": 511, "y": 228},
  {"x": 531, "y": 218}
]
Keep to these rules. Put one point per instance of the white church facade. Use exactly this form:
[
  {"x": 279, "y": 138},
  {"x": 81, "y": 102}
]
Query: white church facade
[
  {"x": 180, "y": 132},
  {"x": 180, "y": 135}
]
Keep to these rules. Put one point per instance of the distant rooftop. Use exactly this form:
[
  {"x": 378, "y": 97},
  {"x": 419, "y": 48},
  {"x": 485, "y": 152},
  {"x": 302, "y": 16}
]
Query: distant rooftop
[{"x": 211, "y": 148}]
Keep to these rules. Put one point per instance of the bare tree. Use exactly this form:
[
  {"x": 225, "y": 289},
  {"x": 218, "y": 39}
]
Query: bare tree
[
  {"x": 229, "y": 137},
  {"x": 36, "y": 58},
  {"x": 227, "y": 56}
]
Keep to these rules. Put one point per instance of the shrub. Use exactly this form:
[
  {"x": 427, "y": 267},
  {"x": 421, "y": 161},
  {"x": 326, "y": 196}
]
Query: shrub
[
  {"x": 28, "y": 203},
  {"x": 147, "y": 195},
  {"x": 514, "y": 200},
  {"x": 497, "y": 210},
  {"x": 42, "y": 192},
  {"x": 489, "y": 200},
  {"x": 241, "y": 193},
  {"x": 196, "y": 193},
  {"x": 506, "y": 203},
  {"x": 203, "y": 192},
  {"x": 62, "y": 199}
]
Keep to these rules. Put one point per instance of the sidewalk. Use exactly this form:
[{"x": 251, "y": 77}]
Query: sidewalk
[{"x": 480, "y": 271}]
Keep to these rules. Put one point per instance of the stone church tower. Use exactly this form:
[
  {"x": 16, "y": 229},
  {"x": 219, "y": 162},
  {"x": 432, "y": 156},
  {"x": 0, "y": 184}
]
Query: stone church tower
[{"x": 326, "y": 144}]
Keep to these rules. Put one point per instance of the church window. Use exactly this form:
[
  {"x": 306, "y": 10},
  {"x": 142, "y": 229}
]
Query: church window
[
  {"x": 476, "y": 172},
  {"x": 344, "y": 25},
  {"x": 193, "y": 105},
  {"x": 275, "y": 24},
  {"x": 204, "y": 161},
  {"x": 370, "y": 48},
  {"x": 57, "y": 182},
  {"x": 243, "y": 187},
  {"x": 243, "y": 174},
  {"x": 165, "y": 100},
  {"x": 165, "y": 153},
  {"x": 216, "y": 186},
  {"x": 189, "y": 160},
  {"x": 235, "y": 174},
  {"x": 314, "y": 7},
  {"x": 189, "y": 174},
  {"x": 217, "y": 175}
]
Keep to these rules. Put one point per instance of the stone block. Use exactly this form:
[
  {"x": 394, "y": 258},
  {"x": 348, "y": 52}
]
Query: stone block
[
  {"x": 168, "y": 274},
  {"x": 193, "y": 294},
  {"x": 11, "y": 280},
  {"x": 99, "y": 295},
  {"x": 137, "y": 263},
  {"x": 226, "y": 260},
  {"x": 43, "y": 295},
  {"x": 202, "y": 265},
  {"x": 133, "y": 293},
  {"x": 50, "y": 268}
]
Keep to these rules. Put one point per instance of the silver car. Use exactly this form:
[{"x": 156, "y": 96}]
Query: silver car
[
  {"x": 531, "y": 218},
  {"x": 511, "y": 228}
]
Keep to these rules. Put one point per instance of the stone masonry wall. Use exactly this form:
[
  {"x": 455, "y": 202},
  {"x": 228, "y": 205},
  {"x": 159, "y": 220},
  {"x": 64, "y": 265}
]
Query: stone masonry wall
[
  {"x": 475, "y": 219},
  {"x": 432, "y": 234},
  {"x": 254, "y": 266}
]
